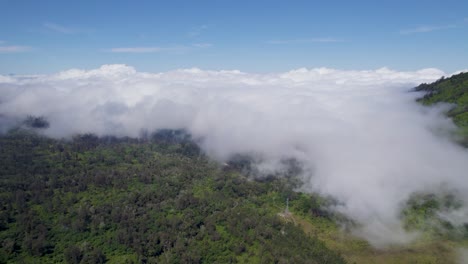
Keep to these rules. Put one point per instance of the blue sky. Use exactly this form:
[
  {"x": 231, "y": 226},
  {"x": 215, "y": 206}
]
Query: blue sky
[{"x": 254, "y": 36}]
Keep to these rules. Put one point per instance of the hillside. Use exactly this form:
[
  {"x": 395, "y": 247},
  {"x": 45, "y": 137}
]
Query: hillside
[
  {"x": 453, "y": 90},
  {"x": 96, "y": 200}
]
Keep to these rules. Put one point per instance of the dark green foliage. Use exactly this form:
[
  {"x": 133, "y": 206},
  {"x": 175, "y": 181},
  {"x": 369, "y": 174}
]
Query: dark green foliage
[
  {"x": 153, "y": 200},
  {"x": 311, "y": 204},
  {"x": 73, "y": 254},
  {"x": 452, "y": 90}
]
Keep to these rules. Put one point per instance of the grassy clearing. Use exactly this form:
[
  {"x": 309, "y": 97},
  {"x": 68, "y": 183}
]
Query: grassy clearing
[{"x": 356, "y": 250}]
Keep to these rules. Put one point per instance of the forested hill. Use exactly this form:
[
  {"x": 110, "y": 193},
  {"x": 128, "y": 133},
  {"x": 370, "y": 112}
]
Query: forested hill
[
  {"x": 450, "y": 90},
  {"x": 158, "y": 200}
]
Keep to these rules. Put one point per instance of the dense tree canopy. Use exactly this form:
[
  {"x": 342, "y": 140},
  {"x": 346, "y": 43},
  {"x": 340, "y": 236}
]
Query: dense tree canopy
[{"x": 124, "y": 200}]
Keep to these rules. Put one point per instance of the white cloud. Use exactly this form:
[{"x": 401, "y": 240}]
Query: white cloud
[
  {"x": 359, "y": 134},
  {"x": 425, "y": 29},
  {"x": 14, "y": 49},
  {"x": 7, "y": 79},
  {"x": 306, "y": 40},
  {"x": 58, "y": 28}
]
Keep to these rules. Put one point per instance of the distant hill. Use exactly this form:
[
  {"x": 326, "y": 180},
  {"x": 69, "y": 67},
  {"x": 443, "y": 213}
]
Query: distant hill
[{"x": 450, "y": 90}]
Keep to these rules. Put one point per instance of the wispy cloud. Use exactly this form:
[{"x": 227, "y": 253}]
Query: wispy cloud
[
  {"x": 148, "y": 49},
  {"x": 14, "y": 49},
  {"x": 425, "y": 29},
  {"x": 305, "y": 40},
  {"x": 58, "y": 28},
  {"x": 202, "y": 45},
  {"x": 197, "y": 31},
  {"x": 157, "y": 49}
]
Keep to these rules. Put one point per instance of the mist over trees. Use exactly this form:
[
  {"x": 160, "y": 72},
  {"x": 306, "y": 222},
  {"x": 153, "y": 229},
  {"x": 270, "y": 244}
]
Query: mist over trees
[
  {"x": 36, "y": 122},
  {"x": 195, "y": 195}
]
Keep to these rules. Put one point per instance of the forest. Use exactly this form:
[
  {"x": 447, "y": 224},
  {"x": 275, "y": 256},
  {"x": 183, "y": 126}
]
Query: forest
[{"x": 157, "y": 200}]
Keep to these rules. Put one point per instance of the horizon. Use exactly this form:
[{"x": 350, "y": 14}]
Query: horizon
[{"x": 233, "y": 70}]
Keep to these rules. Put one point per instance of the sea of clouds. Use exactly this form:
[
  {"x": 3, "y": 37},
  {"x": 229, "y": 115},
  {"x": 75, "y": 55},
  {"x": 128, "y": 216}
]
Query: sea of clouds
[{"x": 359, "y": 135}]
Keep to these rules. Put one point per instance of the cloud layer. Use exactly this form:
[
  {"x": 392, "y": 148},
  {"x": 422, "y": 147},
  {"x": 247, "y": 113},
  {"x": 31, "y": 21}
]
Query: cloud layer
[{"x": 359, "y": 134}]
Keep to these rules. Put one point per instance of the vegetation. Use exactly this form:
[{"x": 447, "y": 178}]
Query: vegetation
[
  {"x": 453, "y": 90},
  {"x": 159, "y": 200},
  {"x": 425, "y": 212}
]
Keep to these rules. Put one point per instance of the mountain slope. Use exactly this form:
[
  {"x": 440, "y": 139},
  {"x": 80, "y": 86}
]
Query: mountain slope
[
  {"x": 96, "y": 200},
  {"x": 452, "y": 90},
  {"x": 159, "y": 200}
]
